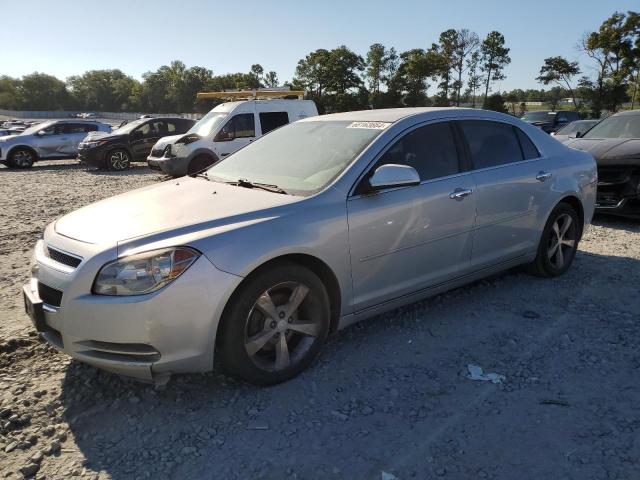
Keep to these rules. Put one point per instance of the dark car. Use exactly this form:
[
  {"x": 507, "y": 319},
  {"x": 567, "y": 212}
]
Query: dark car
[
  {"x": 131, "y": 142},
  {"x": 550, "y": 121},
  {"x": 573, "y": 130},
  {"x": 615, "y": 144}
]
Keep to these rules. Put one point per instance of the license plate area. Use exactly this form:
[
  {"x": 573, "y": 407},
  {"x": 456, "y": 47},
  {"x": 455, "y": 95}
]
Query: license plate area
[{"x": 33, "y": 307}]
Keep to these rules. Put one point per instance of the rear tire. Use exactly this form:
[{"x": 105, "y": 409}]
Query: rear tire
[
  {"x": 199, "y": 163},
  {"x": 558, "y": 244},
  {"x": 118, "y": 160},
  {"x": 21, "y": 158},
  {"x": 275, "y": 325}
]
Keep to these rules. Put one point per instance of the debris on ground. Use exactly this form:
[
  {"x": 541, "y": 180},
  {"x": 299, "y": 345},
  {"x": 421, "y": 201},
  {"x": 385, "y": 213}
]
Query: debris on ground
[{"x": 476, "y": 373}]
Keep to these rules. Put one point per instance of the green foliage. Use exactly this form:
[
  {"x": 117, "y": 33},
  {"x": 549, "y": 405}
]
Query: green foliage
[
  {"x": 495, "y": 102},
  {"x": 494, "y": 58}
]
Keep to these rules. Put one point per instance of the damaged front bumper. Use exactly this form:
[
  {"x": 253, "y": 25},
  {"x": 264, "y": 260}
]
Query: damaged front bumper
[{"x": 619, "y": 190}]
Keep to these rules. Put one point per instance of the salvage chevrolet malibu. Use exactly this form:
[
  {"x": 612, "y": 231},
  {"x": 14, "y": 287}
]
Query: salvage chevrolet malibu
[{"x": 319, "y": 224}]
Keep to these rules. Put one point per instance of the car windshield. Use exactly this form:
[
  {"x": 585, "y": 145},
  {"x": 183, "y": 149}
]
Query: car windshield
[
  {"x": 128, "y": 127},
  {"x": 575, "y": 127},
  {"x": 300, "y": 158},
  {"x": 538, "y": 116},
  {"x": 36, "y": 128},
  {"x": 207, "y": 124},
  {"x": 624, "y": 126}
]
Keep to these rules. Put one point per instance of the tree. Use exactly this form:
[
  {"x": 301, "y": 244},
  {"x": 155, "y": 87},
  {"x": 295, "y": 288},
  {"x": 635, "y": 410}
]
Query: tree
[
  {"x": 271, "y": 79},
  {"x": 494, "y": 102},
  {"x": 9, "y": 95},
  {"x": 103, "y": 90},
  {"x": 560, "y": 71},
  {"x": 416, "y": 66},
  {"x": 494, "y": 58},
  {"x": 256, "y": 72},
  {"x": 466, "y": 44},
  {"x": 39, "y": 91},
  {"x": 381, "y": 64},
  {"x": 474, "y": 78}
]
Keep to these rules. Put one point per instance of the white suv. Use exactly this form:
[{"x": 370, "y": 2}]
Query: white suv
[
  {"x": 225, "y": 129},
  {"x": 47, "y": 141}
]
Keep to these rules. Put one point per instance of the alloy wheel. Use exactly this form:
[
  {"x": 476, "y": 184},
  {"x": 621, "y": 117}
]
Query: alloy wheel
[
  {"x": 562, "y": 240},
  {"x": 280, "y": 330},
  {"x": 119, "y": 160},
  {"x": 23, "y": 158}
]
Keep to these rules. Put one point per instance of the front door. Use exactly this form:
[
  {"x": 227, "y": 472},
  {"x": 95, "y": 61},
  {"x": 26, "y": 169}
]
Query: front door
[
  {"x": 145, "y": 137},
  {"x": 406, "y": 239},
  {"x": 240, "y": 130},
  {"x": 513, "y": 181},
  {"x": 52, "y": 142}
]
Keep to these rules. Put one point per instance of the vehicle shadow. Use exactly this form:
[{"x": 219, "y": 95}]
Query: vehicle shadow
[
  {"x": 213, "y": 426},
  {"x": 616, "y": 222}
]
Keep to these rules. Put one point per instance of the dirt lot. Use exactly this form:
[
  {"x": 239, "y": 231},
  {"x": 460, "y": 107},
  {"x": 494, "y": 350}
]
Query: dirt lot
[{"x": 388, "y": 398}]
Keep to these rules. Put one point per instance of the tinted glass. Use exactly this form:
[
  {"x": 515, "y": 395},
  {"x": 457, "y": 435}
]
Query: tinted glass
[
  {"x": 431, "y": 150},
  {"x": 491, "y": 143},
  {"x": 244, "y": 125},
  {"x": 272, "y": 120},
  {"x": 528, "y": 148},
  {"x": 623, "y": 126}
]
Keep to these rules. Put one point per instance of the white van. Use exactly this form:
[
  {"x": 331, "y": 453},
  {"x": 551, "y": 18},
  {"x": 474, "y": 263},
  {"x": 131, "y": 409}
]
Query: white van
[{"x": 225, "y": 129}]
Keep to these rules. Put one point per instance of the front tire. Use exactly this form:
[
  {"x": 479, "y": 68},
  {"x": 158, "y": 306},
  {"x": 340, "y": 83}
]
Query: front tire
[
  {"x": 559, "y": 242},
  {"x": 199, "y": 163},
  {"x": 275, "y": 325},
  {"x": 118, "y": 160},
  {"x": 21, "y": 158}
]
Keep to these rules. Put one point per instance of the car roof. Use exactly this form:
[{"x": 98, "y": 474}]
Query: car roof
[
  {"x": 392, "y": 115},
  {"x": 626, "y": 113}
]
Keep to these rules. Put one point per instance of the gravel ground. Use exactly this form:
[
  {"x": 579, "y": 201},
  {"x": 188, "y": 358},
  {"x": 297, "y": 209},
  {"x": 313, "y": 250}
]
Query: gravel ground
[{"x": 388, "y": 398}]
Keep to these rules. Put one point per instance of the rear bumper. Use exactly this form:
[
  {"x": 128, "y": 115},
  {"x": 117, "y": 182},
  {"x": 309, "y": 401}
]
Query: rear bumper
[{"x": 174, "y": 166}]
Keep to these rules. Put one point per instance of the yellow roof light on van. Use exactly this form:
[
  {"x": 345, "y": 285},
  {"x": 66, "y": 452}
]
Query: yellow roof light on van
[{"x": 253, "y": 94}]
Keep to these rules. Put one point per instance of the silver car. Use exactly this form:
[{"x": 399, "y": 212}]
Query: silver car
[
  {"x": 321, "y": 223},
  {"x": 47, "y": 141}
]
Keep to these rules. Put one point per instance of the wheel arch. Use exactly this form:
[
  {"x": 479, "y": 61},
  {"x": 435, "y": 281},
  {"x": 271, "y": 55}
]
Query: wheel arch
[
  {"x": 118, "y": 146},
  {"x": 25, "y": 147},
  {"x": 314, "y": 264},
  {"x": 576, "y": 204},
  {"x": 203, "y": 152}
]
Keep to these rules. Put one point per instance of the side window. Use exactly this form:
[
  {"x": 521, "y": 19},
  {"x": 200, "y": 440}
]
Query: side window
[
  {"x": 90, "y": 128},
  {"x": 561, "y": 117},
  {"x": 491, "y": 143},
  {"x": 529, "y": 150},
  {"x": 272, "y": 120},
  {"x": 52, "y": 130},
  {"x": 431, "y": 150},
  {"x": 240, "y": 126},
  {"x": 171, "y": 127}
]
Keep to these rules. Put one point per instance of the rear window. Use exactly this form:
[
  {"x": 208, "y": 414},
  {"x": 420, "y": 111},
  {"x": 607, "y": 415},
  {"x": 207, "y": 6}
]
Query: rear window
[
  {"x": 491, "y": 143},
  {"x": 272, "y": 120}
]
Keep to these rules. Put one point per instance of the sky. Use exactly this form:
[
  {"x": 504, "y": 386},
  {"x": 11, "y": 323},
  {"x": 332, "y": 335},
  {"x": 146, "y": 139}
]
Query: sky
[{"x": 65, "y": 37}]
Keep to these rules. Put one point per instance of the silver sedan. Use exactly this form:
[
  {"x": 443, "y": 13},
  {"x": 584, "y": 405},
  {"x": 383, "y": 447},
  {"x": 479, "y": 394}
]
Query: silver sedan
[{"x": 313, "y": 227}]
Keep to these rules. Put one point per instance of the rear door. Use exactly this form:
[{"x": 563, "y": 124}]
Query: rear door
[
  {"x": 512, "y": 183},
  {"x": 405, "y": 239}
]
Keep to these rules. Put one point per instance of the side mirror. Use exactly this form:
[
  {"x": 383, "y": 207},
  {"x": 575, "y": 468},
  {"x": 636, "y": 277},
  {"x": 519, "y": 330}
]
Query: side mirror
[
  {"x": 40, "y": 133},
  {"x": 224, "y": 136},
  {"x": 393, "y": 175},
  {"x": 578, "y": 134}
]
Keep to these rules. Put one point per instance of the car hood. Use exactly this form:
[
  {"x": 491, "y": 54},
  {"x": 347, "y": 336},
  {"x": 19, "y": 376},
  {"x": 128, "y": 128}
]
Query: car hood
[
  {"x": 609, "y": 151},
  {"x": 170, "y": 140},
  {"x": 91, "y": 136},
  {"x": 168, "y": 206}
]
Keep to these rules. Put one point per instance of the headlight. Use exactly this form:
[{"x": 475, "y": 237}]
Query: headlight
[
  {"x": 143, "y": 273},
  {"x": 95, "y": 143}
]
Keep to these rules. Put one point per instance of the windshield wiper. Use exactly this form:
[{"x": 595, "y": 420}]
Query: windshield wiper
[
  {"x": 201, "y": 175},
  {"x": 262, "y": 186}
]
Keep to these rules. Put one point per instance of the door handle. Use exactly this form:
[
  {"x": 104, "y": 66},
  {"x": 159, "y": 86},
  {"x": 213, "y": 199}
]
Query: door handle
[
  {"x": 460, "y": 193},
  {"x": 544, "y": 176},
  {"x": 224, "y": 154}
]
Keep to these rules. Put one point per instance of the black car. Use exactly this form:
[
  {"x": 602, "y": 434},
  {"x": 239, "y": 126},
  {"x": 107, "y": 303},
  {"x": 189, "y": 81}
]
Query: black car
[
  {"x": 550, "y": 121},
  {"x": 615, "y": 144},
  {"x": 131, "y": 142}
]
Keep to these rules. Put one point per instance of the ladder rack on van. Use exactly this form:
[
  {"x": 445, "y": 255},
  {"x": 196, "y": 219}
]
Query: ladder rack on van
[{"x": 253, "y": 94}]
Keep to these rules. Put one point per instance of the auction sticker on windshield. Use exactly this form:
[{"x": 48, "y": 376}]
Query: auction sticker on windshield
[{"x": 370, "y": 125}]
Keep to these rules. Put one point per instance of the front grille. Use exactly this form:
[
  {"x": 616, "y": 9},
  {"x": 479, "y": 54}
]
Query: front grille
[
  {"x": 49, "y": 295},
  {"x": 614, "y": 175},
  {"x": 63, "y": 258}
]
